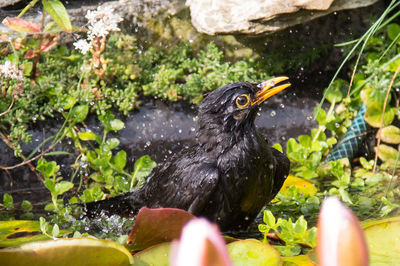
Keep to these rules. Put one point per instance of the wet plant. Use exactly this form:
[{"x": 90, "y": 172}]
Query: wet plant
[{"x": 295, "y": 235}]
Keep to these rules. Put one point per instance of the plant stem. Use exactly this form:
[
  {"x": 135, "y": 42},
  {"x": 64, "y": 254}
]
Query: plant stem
[{"x": 383, "y": 115}]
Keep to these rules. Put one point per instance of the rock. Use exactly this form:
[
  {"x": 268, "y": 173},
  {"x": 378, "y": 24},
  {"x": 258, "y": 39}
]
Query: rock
[
  {"x": 7, "y": 3},
  {"x": 261, "y": 16}
]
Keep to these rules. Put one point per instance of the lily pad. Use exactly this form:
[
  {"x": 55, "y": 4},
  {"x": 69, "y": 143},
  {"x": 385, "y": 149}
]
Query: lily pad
[
  {"x": 386, "y": 153},
  {"x": 253, "y": 252},
  {"x": 16, "y": 232},
  {"x": 305, "y": 187},
  {"x": 154, "y": 226},
  {"x": 67, "y": 251},
  {"x": 390, "y": 134},
  {"x": 373, "y": 115},
  {"x": 383, "y": 239},
  {"x": 157, "y": 255}
]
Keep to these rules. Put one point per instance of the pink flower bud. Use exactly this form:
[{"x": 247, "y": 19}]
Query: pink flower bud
[
  {"x": 340, "y": 239},
  {"x": 200, "y": 244}
]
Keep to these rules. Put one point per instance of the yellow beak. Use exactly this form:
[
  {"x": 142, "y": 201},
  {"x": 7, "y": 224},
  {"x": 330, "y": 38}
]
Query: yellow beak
[{"x": 269, "y": 88}]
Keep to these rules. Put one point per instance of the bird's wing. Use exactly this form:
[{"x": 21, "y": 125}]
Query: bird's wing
[
  {"x": 185, "y": 183},
  {"x": 281, "y": 170}
]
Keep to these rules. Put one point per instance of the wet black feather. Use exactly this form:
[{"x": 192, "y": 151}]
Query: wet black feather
[{"x": 228, "y": 176}]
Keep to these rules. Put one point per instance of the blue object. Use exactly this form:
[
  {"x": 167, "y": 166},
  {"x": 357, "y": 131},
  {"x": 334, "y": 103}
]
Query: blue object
[{"x": 350, "y": 143}]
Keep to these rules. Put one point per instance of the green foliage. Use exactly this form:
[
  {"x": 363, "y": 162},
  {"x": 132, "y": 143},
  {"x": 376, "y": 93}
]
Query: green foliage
[
  {"x": 294, "y": 235},
  {"x": 8, "y": 201}
]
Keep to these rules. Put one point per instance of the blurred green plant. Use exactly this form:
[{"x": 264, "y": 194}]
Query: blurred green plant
[{"x": 295, "y": 235}]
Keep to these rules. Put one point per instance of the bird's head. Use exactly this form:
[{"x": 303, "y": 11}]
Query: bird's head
[{"x": 233, "y": 107}]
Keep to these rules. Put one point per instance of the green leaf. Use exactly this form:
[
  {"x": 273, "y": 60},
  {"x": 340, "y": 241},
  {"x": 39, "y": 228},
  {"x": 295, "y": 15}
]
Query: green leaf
[
  {"x": 345, "y": 196},
  {"x": 383, "y": 241},
  {"x": 56, "y": 231},
  {"x": 305, "y": 141},
  {"x": 26, "y": 206},
  {"x": 390, "y": 134},
  {"x": 89, "y": 135},
  {"x": 8, "y": 201},
  {"x": 47, "y": 169},
  {"x": 366, "y": 164},
  {"x": 301, "y": 260},
  {"x": 112, "y": 143},
  {"x": 142, "y": 168},
  {"x": 253, "y": 252},
  {"x": 155, "y": 255},
  {"x": 69, "y": 102},
  {"x": 50, "y": 185},
  {"x": 116, "y": 125},
  {"x": 278, "y": 147},
  {"x": 79, "y": 113},
  {"x": 119, "y": 160},
  {"x": 321, "y": 117},
  {"x": 334, "y": 93},
  {"x": 269, "y": 218},
  {"x": 62, "y": 187},
  {"x": 300, "y": 227},
  {"x": 393, "y": 30},
  {"x": 386, "y": 153},
  {"x": 28, "y": 66},
  {"x": 68, "y": 251},
  {"x": 58, "y": 12},
  {"x": 17, "y": 232},
  {"x": 373, "y": 115},
  {"x": 292, "y": 146},
  {"x": 371, "y": 96}
]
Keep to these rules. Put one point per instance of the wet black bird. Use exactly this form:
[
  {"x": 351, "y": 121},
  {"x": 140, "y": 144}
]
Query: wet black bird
[{"x": 228, "y": 176}]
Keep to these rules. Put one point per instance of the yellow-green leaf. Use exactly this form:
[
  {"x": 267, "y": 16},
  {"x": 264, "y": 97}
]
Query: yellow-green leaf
[
  {"x": 386, "y": 153},
  {"x": 383, "y": 239},
  {"x": 16, "y": 232},
  {"x": 301, "y": 260},
  {"x": 305, "y": 187},
  {"x": 390, "y": 134},
  {"x": 157, "y": 255},
  {"x": 373, "y": 115},
  {"x": 58, "y": 12},
  {"x": 253, "y": 252},
  {"x": 67, "y": 251}
]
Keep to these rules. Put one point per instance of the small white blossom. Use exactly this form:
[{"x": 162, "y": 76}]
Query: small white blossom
[
  {"x": 82, "y": 45},
  {"x": 10, "y": 71},
  {"x": 102, "y": 21}
]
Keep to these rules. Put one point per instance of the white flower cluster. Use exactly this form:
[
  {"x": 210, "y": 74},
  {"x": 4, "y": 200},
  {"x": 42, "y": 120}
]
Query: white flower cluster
[
  {"x": 101, "y": 22},
  {"x": 10, "y": 71}
]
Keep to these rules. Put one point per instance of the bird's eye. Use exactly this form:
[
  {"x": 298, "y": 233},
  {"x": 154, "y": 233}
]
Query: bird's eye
[{"x": 242, "y": 101}]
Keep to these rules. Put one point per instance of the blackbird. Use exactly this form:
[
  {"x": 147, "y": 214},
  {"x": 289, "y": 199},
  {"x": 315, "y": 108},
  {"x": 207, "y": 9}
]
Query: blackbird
[{"x": 228, "y": 175}]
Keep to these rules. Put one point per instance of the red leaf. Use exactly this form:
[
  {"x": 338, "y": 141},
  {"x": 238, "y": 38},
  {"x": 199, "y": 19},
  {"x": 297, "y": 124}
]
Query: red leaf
[
  {"x": 30, "y": 54},
  {"x": 49, "y": 43},
  {"x": 154, "y": 226},
  {"x": 21, "y": 25}
]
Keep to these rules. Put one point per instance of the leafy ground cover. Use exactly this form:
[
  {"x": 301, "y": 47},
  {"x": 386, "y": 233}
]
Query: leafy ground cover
[{"x": 41, "y": 80}]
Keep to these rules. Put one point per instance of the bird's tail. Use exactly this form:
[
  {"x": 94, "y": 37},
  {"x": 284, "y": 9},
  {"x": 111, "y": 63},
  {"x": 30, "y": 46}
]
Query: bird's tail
[{"x": 123, "y": 205}]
